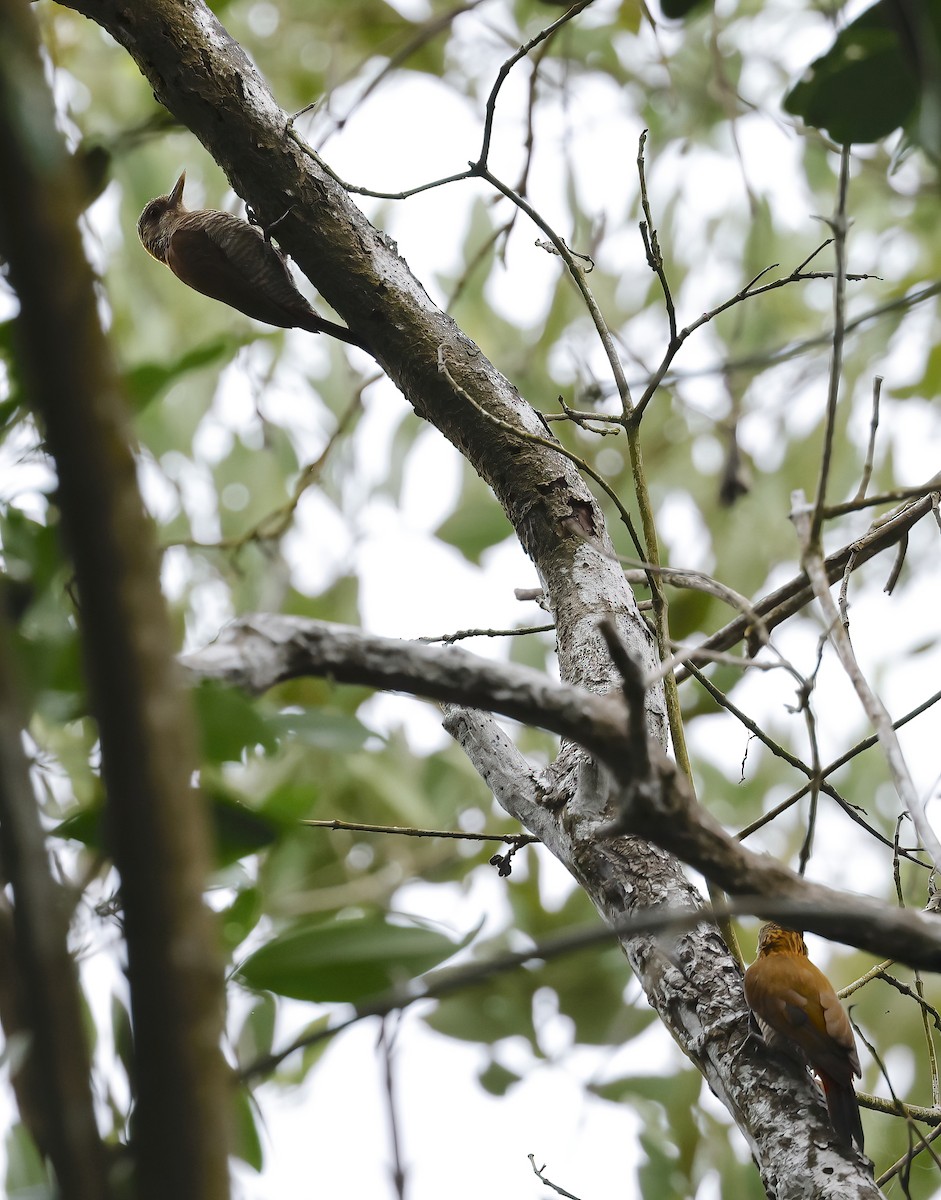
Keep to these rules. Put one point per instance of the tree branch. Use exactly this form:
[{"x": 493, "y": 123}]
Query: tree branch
[
  {"x": 39, "y": 992},
  {"x": 875, "y": 710},
  {"x": 157, "y": 826},
  {"x": 798, "y": 592},
  {"x": 254, "y": 653}
]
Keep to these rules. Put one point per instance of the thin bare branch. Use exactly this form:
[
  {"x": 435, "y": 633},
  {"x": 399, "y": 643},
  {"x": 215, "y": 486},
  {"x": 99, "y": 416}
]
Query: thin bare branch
[
  {"x": 871, "y": 445},
  {"x": 40, "y": 1000},
  {"x": 797, "y": 593},
  {"x": 874, "y": 708},
  {"x": 840, "y": 228},
  {"x": 509, "y": 839}
]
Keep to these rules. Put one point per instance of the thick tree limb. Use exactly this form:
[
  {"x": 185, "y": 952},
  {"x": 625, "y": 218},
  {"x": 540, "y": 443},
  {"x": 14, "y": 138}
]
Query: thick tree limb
[
  {"x": 39, "y": 992},
  {"x": 254, "y": 653},
  {"x": 157, "y": 826}
]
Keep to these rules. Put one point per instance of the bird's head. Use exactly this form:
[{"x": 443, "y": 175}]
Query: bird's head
[
  {"x": 156, "y": 223},
  {"x": 775, "y": 939}
]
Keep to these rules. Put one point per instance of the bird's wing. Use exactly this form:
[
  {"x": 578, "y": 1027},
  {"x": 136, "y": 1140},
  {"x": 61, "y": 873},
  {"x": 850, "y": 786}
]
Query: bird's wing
[
  {"x": 227, "y": 259},
  {"x": 838, "y": 1027},
  {"x": 796, "y": 1000}
]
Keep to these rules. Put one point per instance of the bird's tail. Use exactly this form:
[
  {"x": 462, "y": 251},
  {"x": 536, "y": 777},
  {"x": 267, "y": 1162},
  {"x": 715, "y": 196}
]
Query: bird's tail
[
  {"x": 844, "y": 1111},
  {"x": 316, "y": 324}
]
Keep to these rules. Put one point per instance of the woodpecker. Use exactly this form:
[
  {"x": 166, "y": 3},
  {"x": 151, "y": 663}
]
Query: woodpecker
[
  {"x": 798, "y": 1012},
  {"x": 228, "y": 259}
]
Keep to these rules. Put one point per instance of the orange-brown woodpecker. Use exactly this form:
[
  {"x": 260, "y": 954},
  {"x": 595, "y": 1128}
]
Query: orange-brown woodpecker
[
  {"x": 799, "y": 1012},
  {"x": 229, "y": 260}
]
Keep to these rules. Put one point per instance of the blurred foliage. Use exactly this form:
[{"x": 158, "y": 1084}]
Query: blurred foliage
[
  {"x": 882, "y": 71},
  {"x": 344, "y": 960},
  {"x": 230, "y": 416}
]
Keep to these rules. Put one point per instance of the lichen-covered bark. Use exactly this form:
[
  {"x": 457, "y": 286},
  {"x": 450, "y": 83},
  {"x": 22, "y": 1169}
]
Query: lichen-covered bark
[{"x": 689, "y": 978}]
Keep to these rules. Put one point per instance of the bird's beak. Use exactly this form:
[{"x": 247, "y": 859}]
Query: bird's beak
[{"x": 176, "y": 196}]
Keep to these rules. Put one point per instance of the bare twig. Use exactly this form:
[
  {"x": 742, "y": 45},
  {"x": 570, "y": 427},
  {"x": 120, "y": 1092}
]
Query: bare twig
[
  {"x": 635, "y": 689},
  {"x": 896, "y": 496},
  {"x": 504, "y": 71},
  {"x": 539, "y": 1172},
  {"x": 509, "y": 839},
  {"x": 425, "y": 33},
  {"x": 871, "y": 445},
  {"x": 779, "y": 751},
  {"x": 792, "y": 350},
  {"x": 749, "y": 292},
  {"x": 929, "y": 1012},
  {"x": 387, "y": 1049},
  {"x": 839, "y": 225},
  {"x": 903, "y": 1164},
  {"x": 875, "y": 972},
  {"x": 850, "y": 809},
  {"x": 475, "y": 168},
  {"x": 896, "y": 1105},
  {"x": 651, "y": 243},
  {"x": 874, "y": 708},
  {"x": 461, "y": 635},
  {"x": 794, "y": 595},
  {"x": 577, "y": 273},
  {"x": 550, "y": 443}
]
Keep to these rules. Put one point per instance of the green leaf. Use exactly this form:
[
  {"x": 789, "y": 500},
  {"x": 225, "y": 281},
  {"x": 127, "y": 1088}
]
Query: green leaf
[
  {"x": 504, "y": 1009},
  {"x": 229, "y": 723},
  {"x": 31, "y": 550},
  {"x": 344, "y": 960},
  {"x": 27, "y": 1178},
  {"x": 594, "y": 999},
  {"x": 295, "y": 1069},
  {"x": 865, "y": 86},
  {"x": 477, "y": 523},
  {"x": 325, "y": 729},
  {"x": 148, "y": 379},
  {"x": 238, "y": 829},
  {"x": 497, "y": 1080},
  {"x": 240, "y": 918},
  {"x": 247, "y": 1143},
  {"x": 678, "y": 1089},
  {"x": 256, "y": 1036},
  {"x": 677, "y": 9},
  {"x": 83, "y": 825}
]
